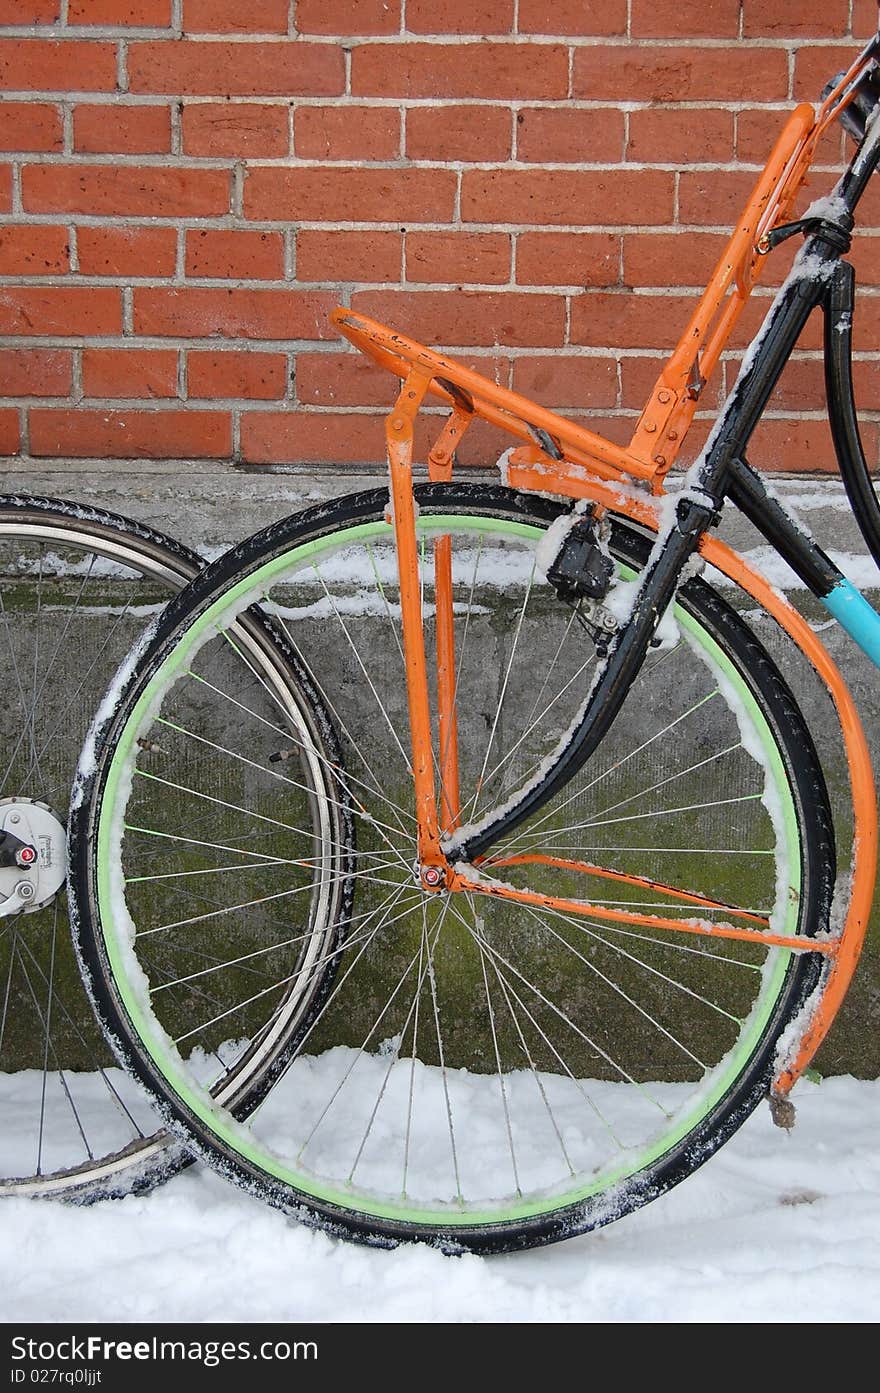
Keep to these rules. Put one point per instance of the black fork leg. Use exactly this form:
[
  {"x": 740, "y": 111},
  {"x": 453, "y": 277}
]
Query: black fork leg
[{"x": 838, "y": 305}]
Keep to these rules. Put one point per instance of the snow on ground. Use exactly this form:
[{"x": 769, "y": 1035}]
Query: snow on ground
[{"x": 774, "y": 1223}]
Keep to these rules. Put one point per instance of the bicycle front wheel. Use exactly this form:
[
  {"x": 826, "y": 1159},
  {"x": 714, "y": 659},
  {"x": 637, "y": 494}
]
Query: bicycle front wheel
[{"x": 482, "y": 1073}]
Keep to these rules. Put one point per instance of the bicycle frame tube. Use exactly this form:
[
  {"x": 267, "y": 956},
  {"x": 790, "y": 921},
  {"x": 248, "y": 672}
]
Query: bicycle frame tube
[{"x": 839, "y": 308}]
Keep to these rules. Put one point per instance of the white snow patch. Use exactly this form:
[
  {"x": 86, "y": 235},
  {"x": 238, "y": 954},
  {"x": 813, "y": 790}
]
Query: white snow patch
[{"x": 771, "y": 1214}]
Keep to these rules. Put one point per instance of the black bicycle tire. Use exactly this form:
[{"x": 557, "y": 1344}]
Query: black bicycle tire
[{"x": 803, "y": 771}]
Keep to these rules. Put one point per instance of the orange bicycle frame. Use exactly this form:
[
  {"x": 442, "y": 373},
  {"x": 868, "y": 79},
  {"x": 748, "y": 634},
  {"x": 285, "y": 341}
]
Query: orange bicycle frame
[{"x": 559, "y": 456}]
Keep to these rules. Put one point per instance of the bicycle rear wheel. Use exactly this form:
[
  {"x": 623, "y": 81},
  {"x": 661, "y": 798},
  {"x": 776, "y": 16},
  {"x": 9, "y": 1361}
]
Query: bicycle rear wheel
[
  {"x": 77, "y": 588},
  {"x": 482, "y": 1074}
]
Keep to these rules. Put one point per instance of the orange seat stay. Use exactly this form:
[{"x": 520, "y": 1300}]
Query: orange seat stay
[{"x": 670, "y": 408}]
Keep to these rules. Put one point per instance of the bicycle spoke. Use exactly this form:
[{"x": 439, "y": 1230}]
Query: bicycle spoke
[
  {"x": 502, "y": 1086},
  {"x": 369, "y": 681},
  {"x": 619, "y": 990},
  {"x": 508, "y": 988},
  {"x": 333, "y": 769},
  {"x": 58, "y": 1068},
  {"x": 22, "y": 734},
  {"x": 436, "y": 1009},
  {"x": 618, "y": 764},
  {"x": 557, "y": 1010},
  {"x": 395, "y": 1053},
  {"x": 358, "y": 1056}
]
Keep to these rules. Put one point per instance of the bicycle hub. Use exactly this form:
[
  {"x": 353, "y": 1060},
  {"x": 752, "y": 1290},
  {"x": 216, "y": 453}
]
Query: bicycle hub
[{"x": 33, "y": 855}]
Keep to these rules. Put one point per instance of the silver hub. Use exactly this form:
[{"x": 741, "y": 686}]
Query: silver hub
[{"x": 41, "y": 869}]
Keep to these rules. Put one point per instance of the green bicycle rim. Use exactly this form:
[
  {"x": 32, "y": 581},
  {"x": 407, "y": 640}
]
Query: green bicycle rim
[{"x": 241, "y": 1141}]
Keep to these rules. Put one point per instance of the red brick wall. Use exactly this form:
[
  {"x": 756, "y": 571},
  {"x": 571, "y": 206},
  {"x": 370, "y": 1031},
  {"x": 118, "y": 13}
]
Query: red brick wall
[{"x": 188, "y": 186}]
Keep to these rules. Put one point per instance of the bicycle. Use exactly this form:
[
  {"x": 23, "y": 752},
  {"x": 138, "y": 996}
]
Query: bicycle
[
  {"x": 595, "y": 917},
  {"x": 77, "y": 586}
]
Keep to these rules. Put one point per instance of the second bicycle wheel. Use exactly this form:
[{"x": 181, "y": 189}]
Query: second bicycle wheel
[
  {"x": 481, "y": 1073},
  {"x": 77, "y": 589}
]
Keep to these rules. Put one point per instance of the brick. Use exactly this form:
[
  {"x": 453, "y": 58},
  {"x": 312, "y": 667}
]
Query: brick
[
  {"x": 343, "y": 379},
  {"x": 237, "y": 129},
  {"x": 868, "y": 212},
  {"x": 578, "y": 197},
  {"x": 460, "y": 17},
  {"x": 637, "y": 379},
  {"x": 122, "y": 129},
  {"x": 203, "y": 312},
  {"x": 57, "y": 65},
  {"x": 235, "y": 255},
  {"x": 570, "y": 137},
  {"x": 255, "y": 376},
  {"x": 74, "y": 310},
  {"x": 30, "y": 126},
  {"x": 24, "y": 12},
  {"x": 865, "y": 256},
  {"x": 350, "y": 194},
  {"x": 658, "y": 74},
  {"x": 802, "y": 385},
  {"x": 139, "y": 14},
  {"x": 562, "y": 381},
  {"x": 475, "y": 257},
  {"x": 568, "y": 258},
  {"x": 347, "y": 16},
  {"x": 710, "y": 198},
  {"x": 33, "y": 251},
  {"x": 864, "y": 19},
  {"x": 348, "y": 256},
  {"x": 669, "y": 136},
  {"x": 232, "y": 17},
  {"x": 671, "y": 258},
  {"x": 346, "y": 133},
  {"x": 125, "y": 190},
  {"x": 127, "y": 251},
  {"x": 124, "y": 434},
  {"x": 802, "y": 446},
  {"x": 469, "y": 317},
  {"x": 458, "y": 133},
  {"x": 795, "y": 19},
  {"x": 625, "y": 320},
  {"x": 311, "y": 437},
  {"x": 572, "y": 17},
  {"x": 9, "y": 432},
  {"x": 5, "y": 188},
  {"x": 499, "y": 71},
  {"x": 665, "y": 19},
  {"x": 129, "y": 372},
  {"x": 35, "y": 372},
  {"x": 814, "y": 64},
  {"x": 271, "y": 69}
]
